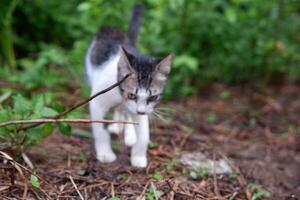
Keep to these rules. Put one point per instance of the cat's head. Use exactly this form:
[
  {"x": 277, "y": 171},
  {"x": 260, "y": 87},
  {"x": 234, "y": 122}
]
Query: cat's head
[{"x": 143, "y": 89}]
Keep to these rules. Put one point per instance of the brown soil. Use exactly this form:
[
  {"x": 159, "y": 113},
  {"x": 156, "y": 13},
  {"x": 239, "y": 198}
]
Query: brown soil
[{"x": 259, "y": 132}]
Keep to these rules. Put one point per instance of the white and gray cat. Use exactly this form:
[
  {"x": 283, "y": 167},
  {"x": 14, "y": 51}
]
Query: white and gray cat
[{"x": 111, "y": 56}]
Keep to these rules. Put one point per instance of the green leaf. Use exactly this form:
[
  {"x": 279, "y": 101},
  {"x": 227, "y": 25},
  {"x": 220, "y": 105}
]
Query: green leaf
[
  {"x": 57, "y": 106},
  {"x": 156, "y": 193},
  {"x": 48, "y": 112},
  {"x": 231, "y": 15},
  {"x": 48, "y": 128},
  {"x": 187, "y": 62},
  {"x": 114, "y": 198},
  {"x": 21, "y": 105},
  {"x": 225, "y": 95},
  {"x": 39, "y": 104},
  {"x": 34, "y": 135},
  {"x": 157, "y": 176},
  {"x": 34, "y": 181},
  {"x": 5, "y": 95},
  {"x": 65, "y": 129},
  {"x": 152, "y": 145},
  {"x": 81, "y": 172},
  {"x": 211, "y": 117},
  {"x": 84, "y": 6},
  {"x": 193, "y": 175}
]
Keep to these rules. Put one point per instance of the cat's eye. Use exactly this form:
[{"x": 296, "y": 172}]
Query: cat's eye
[
  {"x": 131, "y": 96},
  {"x": 152, "y": 98}
]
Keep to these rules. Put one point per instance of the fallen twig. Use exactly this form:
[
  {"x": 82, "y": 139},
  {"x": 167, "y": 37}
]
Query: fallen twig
[
  {"x": 216, "y": 188},
  {"x": 18, "y": 166},
  {"x": 76, "y": 188},
  {"x": 27, "y": 161},
  {"x": 12, "y": 162},
  {"x": 144, "y": 191},
  {"x": 83, "y": 121}
]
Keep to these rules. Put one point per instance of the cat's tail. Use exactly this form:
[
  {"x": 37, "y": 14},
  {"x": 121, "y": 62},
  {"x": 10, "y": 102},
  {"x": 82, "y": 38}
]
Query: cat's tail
[{"x": 135, "y": 23}]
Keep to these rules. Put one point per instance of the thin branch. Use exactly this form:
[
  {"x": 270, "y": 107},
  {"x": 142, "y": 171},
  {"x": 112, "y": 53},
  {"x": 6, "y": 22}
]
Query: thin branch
[
  {"x": 76, "y": 188},
  {"x": 42, "y": 121},
  {"x": 78, "y": 104},
  {"x": 92, "y": 97}
]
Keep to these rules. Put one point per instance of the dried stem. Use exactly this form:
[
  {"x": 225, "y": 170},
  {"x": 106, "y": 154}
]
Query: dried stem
[
  {"x": 76, "y": 188},
  {"x": 79, "y": 121}
]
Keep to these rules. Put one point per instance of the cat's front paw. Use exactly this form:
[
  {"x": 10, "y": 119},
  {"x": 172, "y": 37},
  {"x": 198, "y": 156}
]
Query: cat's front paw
[
  {"x": 139, "y": 161},
  {"x": 115, "y": 128},
  {"x": 106, "y": 157}
]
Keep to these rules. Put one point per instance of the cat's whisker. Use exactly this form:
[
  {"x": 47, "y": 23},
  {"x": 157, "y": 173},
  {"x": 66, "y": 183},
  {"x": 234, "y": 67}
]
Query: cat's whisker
[
  {"x": 163, "y": 114},
  {"x": 159, "y": 116}
]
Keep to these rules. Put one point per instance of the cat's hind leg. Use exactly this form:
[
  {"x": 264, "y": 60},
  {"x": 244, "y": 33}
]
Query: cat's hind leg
[{"x": 117, "y": 128}]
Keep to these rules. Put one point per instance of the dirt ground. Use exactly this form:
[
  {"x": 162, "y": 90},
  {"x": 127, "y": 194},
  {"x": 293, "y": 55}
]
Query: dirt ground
[{"x": 258, "y": 132}]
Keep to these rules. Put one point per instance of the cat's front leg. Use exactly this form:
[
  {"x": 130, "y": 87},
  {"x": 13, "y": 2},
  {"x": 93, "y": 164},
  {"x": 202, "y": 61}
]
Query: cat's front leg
[
  {"x": 104, "y": 151},
  {"x": 130, "y": 132},
  {"x": 139, "y": 149}
]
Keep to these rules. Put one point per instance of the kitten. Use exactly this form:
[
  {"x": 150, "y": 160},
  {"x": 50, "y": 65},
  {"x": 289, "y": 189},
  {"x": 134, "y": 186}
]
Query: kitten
[{"x": 111, "y": 56}]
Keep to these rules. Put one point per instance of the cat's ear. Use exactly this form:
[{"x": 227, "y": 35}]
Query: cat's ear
[
  {"x": 163, "y": 69},
  {"x": 124, "y": 63},
  {"x": 164, "y": 65}
]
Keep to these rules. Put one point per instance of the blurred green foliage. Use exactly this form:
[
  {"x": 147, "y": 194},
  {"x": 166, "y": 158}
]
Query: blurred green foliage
[{"x": 232, "y": 41}]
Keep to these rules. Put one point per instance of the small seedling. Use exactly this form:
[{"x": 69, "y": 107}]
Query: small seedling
[
  {"x": 225, "y": 94},
  {"x": 211, "y": 117},
  {"x": 81, "y": 172},
  {"x": 126, "y": 177},
  {"x": 233, "y": 175},
  {"x": 116, "y": 145},
  {"x": 157, "y": 176},
  {"x": 114, "y": 198},
  {"x": 200, "y": 172},
  {"x": 169, "y": 166},
  {"x": 258, "y": 192},
  {"x": 82, "y": 157},
  {"x": 34, "y": 181},
  {"x": 153, "y": 193},
  {"x": 152, "y": 145}
]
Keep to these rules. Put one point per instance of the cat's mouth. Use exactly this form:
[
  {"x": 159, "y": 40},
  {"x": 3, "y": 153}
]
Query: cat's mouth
[{"x": 141, "y": 113}]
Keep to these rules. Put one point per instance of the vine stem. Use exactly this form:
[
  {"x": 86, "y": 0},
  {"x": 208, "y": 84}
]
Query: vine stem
[{"x": 79, "y": 121}]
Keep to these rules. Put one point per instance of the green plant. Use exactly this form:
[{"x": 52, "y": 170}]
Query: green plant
[
  {"x": 114, "y": 198},
  {"x": 157, "y": 176},
  {"x": 200, "y": 172},
  {"x": 153, "y": 193},
  {"x": 39, "y": 106},
  {"x": 258, "y": 191},
  {"x": 153, "y": 145},
  {"x": 170, "y": 165},
  {"x": 225, "y": 94},
  {"x": 211, "y": 117},
  {"x": 34, "y": 181}
]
